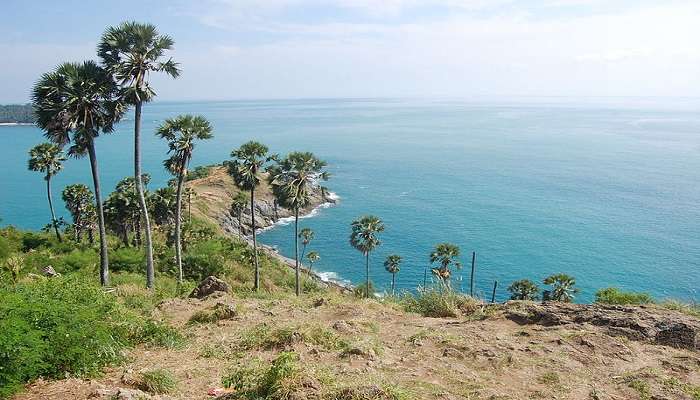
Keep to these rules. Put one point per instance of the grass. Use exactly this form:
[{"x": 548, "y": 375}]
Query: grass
[
  {"x": 549, "y": 378},
  {"x": 616, "y": 296},
  {"x": 438, "y": 303},
  {"x": 641, "y": 387},
  {"x": 216, "y": 313},
  {"x": 262, "y": 336},
  {"x": 159, "y": 381}
]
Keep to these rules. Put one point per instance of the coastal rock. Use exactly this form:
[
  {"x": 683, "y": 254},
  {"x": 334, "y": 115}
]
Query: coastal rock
[
  {"x": 662, "y": 327},
  {"x": 208, "y": 286}
]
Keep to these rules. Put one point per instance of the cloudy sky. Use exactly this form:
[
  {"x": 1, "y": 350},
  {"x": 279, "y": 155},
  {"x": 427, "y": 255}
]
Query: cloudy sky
[{"x": 232, "y": 49}]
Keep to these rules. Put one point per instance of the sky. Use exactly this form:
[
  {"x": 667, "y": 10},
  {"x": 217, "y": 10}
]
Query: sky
[{"x": 257, "y": 49}]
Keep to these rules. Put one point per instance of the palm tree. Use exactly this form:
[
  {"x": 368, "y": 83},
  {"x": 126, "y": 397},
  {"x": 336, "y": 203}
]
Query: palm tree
[
  {"x": 47, "y": 158},
  {"x": 248, "y": 160},
  {"x": 78, "y": 199},
  {"x": 312, "y": 257},
  {"x": 562, "y": 288},
  {"x": 392, "y": 264},
  {"x": 445, "y": 254},
  {"x": 238, "y": 204},
  {"x": 364, "y": 238},
  {"x": 524, "y": 289},
  {"x": 74, "y": 104},
  {"x": 131, "y": 51},
  {"x": 181, "y": 133},
  {"x": 306, "y": 235},
  {"x": 298, "y": 173}
]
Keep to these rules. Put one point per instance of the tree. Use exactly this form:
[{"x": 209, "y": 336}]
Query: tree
[
  {"x": 363, "y": 237},
  {"x": 238, "y": 204},
  {"x": 248, "y": 160},
  {"x": 162, "y": 206},
  {"x": 181, "y": 133},
  {"x": 562, "y": 288},
  {"x": 79, "y": 199},
  {"x": 297, "y": 175},
  {"x": 392, "y": 266},
  {"x": 445, "y": 255},
  {"x": 306, "y": 235},
  {"x": 122, "y": 209},
  {"x": 74, "y": 104},
  {"x": 524, "y": 289},
  {"x": 47, "y": 158},
  {"x": 312, "y": 257},
  {"x": 130, "y": 52}
]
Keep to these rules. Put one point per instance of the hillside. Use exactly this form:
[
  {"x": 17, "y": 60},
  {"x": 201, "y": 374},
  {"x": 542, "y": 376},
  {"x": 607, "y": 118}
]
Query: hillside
[
  {"x": 215, "y": 192},
  {"x": 346, "y": 348},
  {"x": 16, "y": 114}
]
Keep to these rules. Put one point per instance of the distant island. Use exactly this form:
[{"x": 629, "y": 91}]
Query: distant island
[{"x": 16, "y": 114}]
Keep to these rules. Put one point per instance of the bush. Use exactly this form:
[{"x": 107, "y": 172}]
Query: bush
[
  {"x": 159, "y": 381},
  {"x": 128, "y": 259},
  {"x": 436, "y": 303},
  {"x": 158, "y": 334},
  {"x": 616, "y": 296},
  {"x": 55, "y": 327},
  {"x": 207, "y": 258},
  {"x": 279, "y": 381},
  {"x": 361, "y": 290}
]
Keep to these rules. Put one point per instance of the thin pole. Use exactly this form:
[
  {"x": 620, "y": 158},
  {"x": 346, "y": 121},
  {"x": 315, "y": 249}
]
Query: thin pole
[
  {"x": 493, "y": 295},
  {"x": 471, "y": 283}
]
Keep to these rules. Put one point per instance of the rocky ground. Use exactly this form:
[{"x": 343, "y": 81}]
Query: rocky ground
[{"x": 364, "y": 349}]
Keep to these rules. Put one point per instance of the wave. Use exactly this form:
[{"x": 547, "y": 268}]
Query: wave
[{"x": 288, "y": 220}]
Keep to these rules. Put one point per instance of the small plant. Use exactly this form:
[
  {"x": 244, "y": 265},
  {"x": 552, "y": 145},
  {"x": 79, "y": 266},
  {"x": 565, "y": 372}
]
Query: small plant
[
  {"x": 362, "y": 292},
  {"x": 524, "y": 289},
  {"x": 562, "y": 288},
  {"x": 216, "y": 313},
  {"x": 159, "y": 381},
  {"x": 641, "y": 387},
  {"x": 280, "y": 380},
  {"x": 616, "y": 296},
  {"x": 159, "y": 335},
  {"x": 435, "y": 303},
  {"x": 549, "y": 378}
]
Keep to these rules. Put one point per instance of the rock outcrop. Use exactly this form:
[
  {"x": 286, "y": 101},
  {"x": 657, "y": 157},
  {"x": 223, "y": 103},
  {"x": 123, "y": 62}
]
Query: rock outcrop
[
  {"x": 209, "y": 285},
  {"x": 648, "y": 324}
]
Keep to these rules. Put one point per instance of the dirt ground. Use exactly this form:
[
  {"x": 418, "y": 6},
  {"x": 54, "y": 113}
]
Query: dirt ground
[{"x": 355, "y": 342}]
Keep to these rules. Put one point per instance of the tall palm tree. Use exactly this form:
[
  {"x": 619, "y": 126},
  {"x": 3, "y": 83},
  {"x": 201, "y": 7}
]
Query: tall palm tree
[
  {"x": 392, "y": 266},
  {"x": 298, "y": 174},
  {"x": 445, "y": 255},
  {"x": 181, "y": 132},
  {"x": 364, "y": 238},
  {"x": 47, "y": 158},
  {"x": 78, "y": 199},
  {"x": 74, "y": 104},
  {"x": 562, "y": 288},
  {"x": 131, "y": 51},
  {"x": 313, "y": 257},
  {"x": 306, "y": 235},
  {"x": 238, "y": 204},
  {"x": 248, "y": 161}
]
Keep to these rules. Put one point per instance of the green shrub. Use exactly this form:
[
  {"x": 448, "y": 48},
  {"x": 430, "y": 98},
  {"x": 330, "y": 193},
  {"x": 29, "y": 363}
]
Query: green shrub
[
  {"x": 159, "y": 381},
  {"x": 279, "y": 381},
  {"x": 55, "y": 327},
  {"x": 207, "y": 258},
  {"x": 616, "y": 296},
  {"x": 32, "y": 241},
  {"x": 361, "y": 290},
  {"x": 436, "y": 303},
  {"x": 158, "y": 334},
  {"x": 128, "y": 259}
]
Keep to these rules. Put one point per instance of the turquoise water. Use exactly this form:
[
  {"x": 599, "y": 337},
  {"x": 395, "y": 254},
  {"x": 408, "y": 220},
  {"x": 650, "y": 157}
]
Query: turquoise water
[{"x": 607, "y": 191}]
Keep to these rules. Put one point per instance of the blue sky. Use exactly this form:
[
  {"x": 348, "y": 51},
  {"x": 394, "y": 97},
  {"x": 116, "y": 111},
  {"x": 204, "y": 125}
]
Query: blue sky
[{"x": 372, "y": 48}]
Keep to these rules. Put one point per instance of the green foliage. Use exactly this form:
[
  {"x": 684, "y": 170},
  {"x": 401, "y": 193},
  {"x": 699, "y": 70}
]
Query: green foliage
[
  {"x": 361, "y": 291},
  {"x": 157, "y": 334},
  {"x": 616, "y": 296},
  {"x": 692, "y": 309},
  {"x": 524, "y": 289},
  {"x": 277, "y": 382},
  {"x": 127, "y": 259},
  {"x": 207, "y": 258},
  {"x": 159, "y": 381},
  {"x": 59, "y": 326},
  {"x": 436, "y": 303},
  {"x": 562, "y": 288},
  {"x": 199, "y": 172}
]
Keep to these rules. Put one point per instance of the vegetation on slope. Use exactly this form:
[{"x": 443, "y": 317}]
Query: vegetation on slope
[{"x": 17, "y": 114}]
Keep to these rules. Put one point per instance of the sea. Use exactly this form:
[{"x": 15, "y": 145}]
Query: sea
[{"x": 606, "y": 190}]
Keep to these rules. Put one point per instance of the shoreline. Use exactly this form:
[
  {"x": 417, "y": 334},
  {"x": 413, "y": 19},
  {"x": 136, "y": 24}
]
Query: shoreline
[
  {"x": 272, "y": 251},
  {"x": 17, "y": 124}
]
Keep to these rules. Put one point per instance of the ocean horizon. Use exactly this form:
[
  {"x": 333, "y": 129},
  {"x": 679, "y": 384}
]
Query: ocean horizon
[{"x": 603, "y": 189}]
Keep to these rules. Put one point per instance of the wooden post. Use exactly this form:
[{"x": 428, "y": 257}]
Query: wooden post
[
  {"x": 471, "y": 283},
  {"x": 493, "y": 295}
]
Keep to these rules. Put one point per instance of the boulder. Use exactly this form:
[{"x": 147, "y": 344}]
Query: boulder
[{"x": 209, "y": 285}]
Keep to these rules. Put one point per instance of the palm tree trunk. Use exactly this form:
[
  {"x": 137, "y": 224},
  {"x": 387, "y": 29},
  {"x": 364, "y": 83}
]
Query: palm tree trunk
[
  {"x": 367, "y": 275},
  {"x": 240, "y": 225},
  {"x": 393, "y": 282},
  {"x": 104, "y": 261},
  {"x": 297, "y": 285},
  {"x": 178, "y": 218},
  {"x": 255, "y": 243},
  {"x": 150, "y": 272},
  {"x": 53, "y": 214}
]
